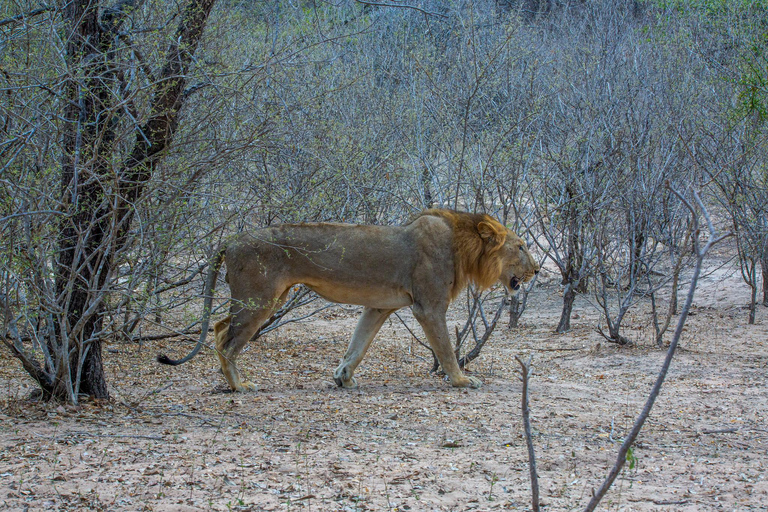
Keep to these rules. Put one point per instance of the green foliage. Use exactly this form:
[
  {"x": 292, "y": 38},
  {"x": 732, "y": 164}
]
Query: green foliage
[
  {"x": 753, "y": 80},
  {"x": 710, "y": 7},
  {"x": 631, "y": 458}
]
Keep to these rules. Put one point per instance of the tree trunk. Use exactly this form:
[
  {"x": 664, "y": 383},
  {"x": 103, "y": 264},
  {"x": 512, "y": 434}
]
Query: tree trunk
[
  {"x": 426, "y": 181},
  {"x": 671, "y": 310},
  {"x": 614, "y": 331},
  {"x": 750, "y": 276},
  {"x": 673, "y": 297},
  {"x": 99, "y": 199},
  {"x": 93, "y": 381},
  {"x": 81, "y": 233},
  {"x": 514, "y": 311},
  {"x": 764, "y": 269},
  {"x": 569, "y": 296},
  {"x": 576, "y": 264}
]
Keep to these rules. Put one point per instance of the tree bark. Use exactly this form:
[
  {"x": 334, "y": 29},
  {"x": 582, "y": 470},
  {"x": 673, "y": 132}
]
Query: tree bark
[
  {"x": 158, "y": 131},
  {"x": 569, "y": 296},
  {"x": 100, "y": 205},
  {"x": 514, "y": 312},
  {"x": 750, "y": 275},
  {"x": 764, "y": 269},
  {"x": 82, "y": 232},
  {"x": 426, "y": 180}
]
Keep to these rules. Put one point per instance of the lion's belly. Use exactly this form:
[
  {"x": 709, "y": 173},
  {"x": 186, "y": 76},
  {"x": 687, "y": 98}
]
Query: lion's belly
[{"x": 374, "y": 297}]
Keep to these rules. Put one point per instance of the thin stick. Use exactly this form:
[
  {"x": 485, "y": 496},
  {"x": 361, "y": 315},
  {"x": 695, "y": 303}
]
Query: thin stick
[
  {"x": 402, "y": 6},
  {"x": 700, "y": 253},
  {"x": 117, "y": 436},
  {"x": 524, "y": 373}
]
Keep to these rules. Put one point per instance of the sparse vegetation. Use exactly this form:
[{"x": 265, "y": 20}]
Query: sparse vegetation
[{"x": 137, "y": 135}]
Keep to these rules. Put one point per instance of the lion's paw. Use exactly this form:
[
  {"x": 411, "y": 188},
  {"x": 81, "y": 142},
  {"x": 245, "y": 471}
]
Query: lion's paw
[
  {"x": 350, "y": 383},
  {"x": 467, "y": 382},
  {"x": 343, "y": 378},
  {"x": 246, "y": 386},
  {"x": 475, "y": 383}
]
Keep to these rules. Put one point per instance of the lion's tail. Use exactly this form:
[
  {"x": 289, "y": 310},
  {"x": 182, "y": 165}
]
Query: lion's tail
[{"x": 210, "y": 284}]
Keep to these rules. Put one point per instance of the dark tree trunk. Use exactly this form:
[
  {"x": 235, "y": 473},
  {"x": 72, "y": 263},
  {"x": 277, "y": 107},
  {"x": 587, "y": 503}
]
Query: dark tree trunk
[
  {"x": 750, "y": 275},
  {"x": 577, "y": 263},
  {"x": 79, "y": 268},
  {"x": 517, "y": 306},
  {"x": 764, "y": 269},
  {"x": 514, "y": 311},
  {"x": 570, "y": 274},
  {"x": 569, "y": 296},
  {"x": 426, "y": 180},
  {"x": 583, "y": 286},
  {"x": 637, "y": 240},
  {"x": 673, "y": 297},
  {"x": 98, "y": 200}
]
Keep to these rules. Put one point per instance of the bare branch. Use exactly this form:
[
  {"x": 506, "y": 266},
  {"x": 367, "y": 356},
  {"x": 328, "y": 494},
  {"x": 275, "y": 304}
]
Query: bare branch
[
  {"x": 525, "y": 372},
  {"x": 403, "y": 6},
  {"x": 26, "y": 15},
  {"x": 479, "y": 343}
]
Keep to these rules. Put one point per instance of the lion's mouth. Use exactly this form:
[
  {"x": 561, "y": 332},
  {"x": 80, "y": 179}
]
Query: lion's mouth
[{"x": 514, "y": 284}]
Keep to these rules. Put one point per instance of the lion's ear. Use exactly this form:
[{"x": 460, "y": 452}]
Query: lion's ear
[{"x": 492, "y": 233}]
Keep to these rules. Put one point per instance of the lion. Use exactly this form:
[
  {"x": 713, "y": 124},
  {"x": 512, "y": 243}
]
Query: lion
[{"x": 422, "y": 265}]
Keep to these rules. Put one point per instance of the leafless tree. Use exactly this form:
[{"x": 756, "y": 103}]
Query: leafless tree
[
  {"x": 701, "y": 248},
  {"x": 478, "y": 325},
  {"x": 127, "y": 157},
  {"x": 565, "y": 212},
  {"x": 743, "y": 190},
  {"x": 630, "y": 249},
  {"x": 110, "y": 111}
]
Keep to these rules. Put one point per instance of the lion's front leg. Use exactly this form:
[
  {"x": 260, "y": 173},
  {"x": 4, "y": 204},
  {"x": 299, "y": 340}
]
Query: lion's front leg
[
  {"x": 369, "y": 324},
  {"x": 434, "y": 325}
]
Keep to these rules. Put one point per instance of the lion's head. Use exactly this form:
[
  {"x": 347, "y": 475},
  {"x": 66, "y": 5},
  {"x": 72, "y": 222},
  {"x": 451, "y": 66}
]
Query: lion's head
[
  {"x": 517, "y": 263},
  {"x": 487, "y": 252}
]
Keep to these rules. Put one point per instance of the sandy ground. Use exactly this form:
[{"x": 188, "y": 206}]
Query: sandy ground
[{"x": 174, "y": 439}]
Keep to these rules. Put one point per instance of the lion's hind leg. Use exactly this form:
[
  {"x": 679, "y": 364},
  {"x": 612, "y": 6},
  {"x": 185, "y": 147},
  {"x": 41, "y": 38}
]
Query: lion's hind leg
[
  {"x": 230, "y": 340},
  {"x": 234, "y": 332},
  {"x": 369, "y": 324}
]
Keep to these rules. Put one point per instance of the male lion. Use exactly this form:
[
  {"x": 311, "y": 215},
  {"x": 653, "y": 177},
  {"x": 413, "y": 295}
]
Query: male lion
[{"x": 423, "y": 264}]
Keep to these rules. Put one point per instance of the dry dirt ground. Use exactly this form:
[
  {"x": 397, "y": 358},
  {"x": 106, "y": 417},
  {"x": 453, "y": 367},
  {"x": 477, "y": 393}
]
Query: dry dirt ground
[{"x": 171, "y": 438}]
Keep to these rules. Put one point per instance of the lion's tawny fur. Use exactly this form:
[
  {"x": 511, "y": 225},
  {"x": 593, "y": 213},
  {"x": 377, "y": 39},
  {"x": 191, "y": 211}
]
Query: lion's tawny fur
[{"x": 423, "y": 265}]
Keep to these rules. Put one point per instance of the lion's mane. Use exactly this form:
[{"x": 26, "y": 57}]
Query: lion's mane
[{"x": 478, "y": 259}]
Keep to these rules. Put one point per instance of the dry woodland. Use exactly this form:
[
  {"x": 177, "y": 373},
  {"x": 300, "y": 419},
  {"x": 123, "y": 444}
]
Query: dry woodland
[
  {"x": 616, "y": 138},
  {"x": 174, "y": 438}
]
